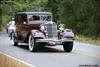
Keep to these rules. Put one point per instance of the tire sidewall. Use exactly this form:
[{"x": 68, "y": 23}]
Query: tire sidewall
[
  {"x": 31, "y": 46},
  {"x": 68, "y": 46}
]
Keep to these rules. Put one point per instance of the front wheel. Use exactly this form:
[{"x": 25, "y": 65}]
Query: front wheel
[
  {"x": 33, "y": 47},
  {"x": 68, "y": 46}
]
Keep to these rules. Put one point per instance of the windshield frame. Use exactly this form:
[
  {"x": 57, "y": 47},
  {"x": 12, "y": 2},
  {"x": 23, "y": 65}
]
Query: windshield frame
[{"x": 41, "y": 17}]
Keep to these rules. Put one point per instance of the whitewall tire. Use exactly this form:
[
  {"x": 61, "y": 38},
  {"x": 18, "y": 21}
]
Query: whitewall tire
[{"x": 33, "y": 47}]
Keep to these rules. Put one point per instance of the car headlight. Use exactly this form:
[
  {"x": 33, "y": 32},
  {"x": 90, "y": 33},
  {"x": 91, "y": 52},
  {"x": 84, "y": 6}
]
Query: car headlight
[
  {"x": 42, "y": 27},
  {"x": 61, "y": 28}
]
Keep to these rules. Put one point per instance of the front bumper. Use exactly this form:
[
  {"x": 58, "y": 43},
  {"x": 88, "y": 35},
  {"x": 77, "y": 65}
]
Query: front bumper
[{"x": 55, "y": 41}]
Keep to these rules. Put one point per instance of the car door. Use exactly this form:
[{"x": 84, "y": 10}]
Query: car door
[{"x": 21, "y": 27}]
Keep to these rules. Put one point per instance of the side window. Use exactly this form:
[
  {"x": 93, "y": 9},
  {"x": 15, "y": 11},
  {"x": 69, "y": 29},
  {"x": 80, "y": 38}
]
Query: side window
[
  {"x": 21, "y": 18},
  {"x": 24, "y": 18},
  {"x": 18, "y": 19},
  {"x": 34, "y": 18}
]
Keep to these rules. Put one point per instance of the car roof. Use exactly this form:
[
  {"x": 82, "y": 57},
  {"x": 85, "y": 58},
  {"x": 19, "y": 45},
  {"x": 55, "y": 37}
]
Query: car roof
[{"x": 35, "y": 13}]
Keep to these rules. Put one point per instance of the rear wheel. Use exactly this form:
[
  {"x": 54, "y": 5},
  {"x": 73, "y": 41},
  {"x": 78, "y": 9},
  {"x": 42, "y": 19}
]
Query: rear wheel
[
  {"x": 68, "y": 46},
  {"x": 13, "y": 40},
  {"x": 33, "y": 46},
  {"x": 11, "y": 36}
]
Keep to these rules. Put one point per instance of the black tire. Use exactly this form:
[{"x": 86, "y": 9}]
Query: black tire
[
  {"x": 42, "y": 44},
  {"x": 13, "y": 40},
  {"x": 11, "y": 36},
  {"x": 15, "y": 43},
  {"x": 7, "y": 30},
  {"x": 33, "y": 46},
  {"x": 68, "y": 46}
]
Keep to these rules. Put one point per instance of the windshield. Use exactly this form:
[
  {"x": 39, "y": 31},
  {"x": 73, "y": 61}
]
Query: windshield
[
  {"x": 46, "y": 18},
  {"x": 34, "y": 18},
  {"x": 40, "y": 18}
]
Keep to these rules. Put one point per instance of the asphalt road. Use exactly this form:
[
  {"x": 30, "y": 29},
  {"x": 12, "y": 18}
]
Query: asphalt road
[{"x": 82, "y": 55}]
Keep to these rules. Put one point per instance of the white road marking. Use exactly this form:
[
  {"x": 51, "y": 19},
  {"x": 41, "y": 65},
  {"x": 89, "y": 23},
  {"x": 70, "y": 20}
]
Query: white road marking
[{"x": 29, "y": 65}]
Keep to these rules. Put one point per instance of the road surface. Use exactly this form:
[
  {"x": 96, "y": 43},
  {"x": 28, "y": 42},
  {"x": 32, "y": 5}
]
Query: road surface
[{"x": 82, "y": 55}]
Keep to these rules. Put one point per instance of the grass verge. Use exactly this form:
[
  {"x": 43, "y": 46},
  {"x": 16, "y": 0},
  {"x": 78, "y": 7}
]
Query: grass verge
[{"x": 83, "y": 38}]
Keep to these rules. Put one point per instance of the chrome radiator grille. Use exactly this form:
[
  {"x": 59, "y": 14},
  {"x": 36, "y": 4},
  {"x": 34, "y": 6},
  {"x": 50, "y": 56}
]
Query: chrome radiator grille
[{"x": 52, "y": 30}]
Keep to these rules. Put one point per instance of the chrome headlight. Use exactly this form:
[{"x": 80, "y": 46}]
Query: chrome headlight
[
  {"x": 42, "y": 27},
  {"x": 61, "y": 28}
]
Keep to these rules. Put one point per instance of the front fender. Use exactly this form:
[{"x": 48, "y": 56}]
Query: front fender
[
  {"x": 68, "y": 34},
  {"x": 37, "y": 33}
]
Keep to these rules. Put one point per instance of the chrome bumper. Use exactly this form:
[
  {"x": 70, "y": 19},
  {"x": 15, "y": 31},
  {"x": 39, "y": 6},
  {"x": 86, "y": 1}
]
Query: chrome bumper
[{"x": 55, "y": 41}]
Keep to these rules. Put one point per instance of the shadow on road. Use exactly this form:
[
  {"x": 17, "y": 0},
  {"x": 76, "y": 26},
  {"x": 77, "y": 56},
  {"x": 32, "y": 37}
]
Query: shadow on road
[{"x": 42, "y": 49}]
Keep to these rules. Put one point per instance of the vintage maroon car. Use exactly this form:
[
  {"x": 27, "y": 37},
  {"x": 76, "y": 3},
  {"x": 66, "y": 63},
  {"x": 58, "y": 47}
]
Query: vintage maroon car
[{"x": 37, "y": 30}]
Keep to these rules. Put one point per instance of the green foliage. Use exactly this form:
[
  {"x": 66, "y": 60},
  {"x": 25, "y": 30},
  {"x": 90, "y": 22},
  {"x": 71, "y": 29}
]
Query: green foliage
[
  {"x": 83, "y": 16},
  {"x": 10, "y": 7}
]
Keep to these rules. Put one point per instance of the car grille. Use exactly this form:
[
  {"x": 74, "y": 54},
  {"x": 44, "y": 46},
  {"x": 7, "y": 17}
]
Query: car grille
[{"x": 52, "y": 30}]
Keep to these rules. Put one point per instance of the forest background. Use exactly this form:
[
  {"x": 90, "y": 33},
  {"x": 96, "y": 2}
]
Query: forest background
[{"x": 82, "y": 16}]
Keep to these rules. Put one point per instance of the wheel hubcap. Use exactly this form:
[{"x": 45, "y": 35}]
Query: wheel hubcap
[{"x": 31, "y": 43}]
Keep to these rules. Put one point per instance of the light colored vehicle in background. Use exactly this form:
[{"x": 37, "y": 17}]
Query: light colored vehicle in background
[
  {"x": 11, "y": 27},
  {"x": 37, "y": 30}
]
